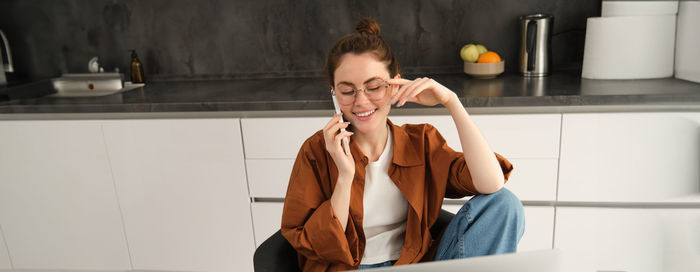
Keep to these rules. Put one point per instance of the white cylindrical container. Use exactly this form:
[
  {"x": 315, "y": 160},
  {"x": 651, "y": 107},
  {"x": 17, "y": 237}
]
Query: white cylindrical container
[
  {"x": 688, "y": 41},
  {"x": 611, "y": 8},
  {"x": 629, "y": 47}
]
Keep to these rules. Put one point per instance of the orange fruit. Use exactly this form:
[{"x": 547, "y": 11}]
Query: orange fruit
[{"x": 488, "y": 57}]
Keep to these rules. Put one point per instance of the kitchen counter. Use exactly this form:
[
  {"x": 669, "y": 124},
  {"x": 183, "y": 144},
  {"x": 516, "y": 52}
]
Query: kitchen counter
[{"x": 508, "y": 93}]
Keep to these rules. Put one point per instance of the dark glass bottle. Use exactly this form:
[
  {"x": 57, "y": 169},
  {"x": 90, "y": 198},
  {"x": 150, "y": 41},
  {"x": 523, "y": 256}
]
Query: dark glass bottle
[{"x": 136, "y": 68}]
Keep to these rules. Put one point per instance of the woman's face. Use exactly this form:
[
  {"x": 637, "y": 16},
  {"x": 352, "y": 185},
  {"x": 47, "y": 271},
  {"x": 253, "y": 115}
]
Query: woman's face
[{"x": 356, "y": 70}]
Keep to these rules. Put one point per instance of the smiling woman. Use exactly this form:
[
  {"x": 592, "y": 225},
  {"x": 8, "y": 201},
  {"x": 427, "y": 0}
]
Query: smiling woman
[{"x": 376, "y": 205}]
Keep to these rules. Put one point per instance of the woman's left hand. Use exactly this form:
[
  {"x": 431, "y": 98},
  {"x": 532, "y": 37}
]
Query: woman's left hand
[{"x": 424, "y": 91}]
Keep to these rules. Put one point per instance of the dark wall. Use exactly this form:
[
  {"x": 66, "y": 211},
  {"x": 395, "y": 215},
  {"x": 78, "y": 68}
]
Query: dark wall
[{"x": 179, "y": 39}]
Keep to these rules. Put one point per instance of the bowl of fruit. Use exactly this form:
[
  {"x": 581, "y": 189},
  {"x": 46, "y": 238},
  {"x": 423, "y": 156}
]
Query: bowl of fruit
[{"x": 479, "y": 62}]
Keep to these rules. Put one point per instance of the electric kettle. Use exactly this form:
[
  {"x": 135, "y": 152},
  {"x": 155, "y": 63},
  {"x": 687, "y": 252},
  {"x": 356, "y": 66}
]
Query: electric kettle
[{"x": 535, "y": 47}]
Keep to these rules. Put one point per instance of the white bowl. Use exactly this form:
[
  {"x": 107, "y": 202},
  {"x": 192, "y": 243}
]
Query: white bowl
[{"x": 484, "y": 70}]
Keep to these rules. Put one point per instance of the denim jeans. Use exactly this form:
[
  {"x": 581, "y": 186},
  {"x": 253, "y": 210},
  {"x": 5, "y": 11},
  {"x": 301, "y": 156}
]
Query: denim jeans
[
  {"x": 368, "y": 266},
  {"x": 485, "y": 225}
]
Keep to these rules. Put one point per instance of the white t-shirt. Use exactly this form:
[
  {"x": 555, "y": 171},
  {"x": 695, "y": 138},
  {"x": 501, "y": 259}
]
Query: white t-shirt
[{"x": 385, "y": 210}]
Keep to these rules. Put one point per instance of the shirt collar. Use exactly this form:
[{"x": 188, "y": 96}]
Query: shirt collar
[{"x": 405, "y": 152}]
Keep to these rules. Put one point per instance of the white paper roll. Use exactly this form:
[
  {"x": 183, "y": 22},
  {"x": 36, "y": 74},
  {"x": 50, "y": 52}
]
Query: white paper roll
[
  {"x": 688, "y": 41},
  {"x": 630, "y": 47},
  {"x": 635, "y": 8}
]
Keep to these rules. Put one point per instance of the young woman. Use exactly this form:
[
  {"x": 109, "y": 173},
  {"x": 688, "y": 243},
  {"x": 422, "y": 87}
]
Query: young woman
[{"x": 375, "y": 206}]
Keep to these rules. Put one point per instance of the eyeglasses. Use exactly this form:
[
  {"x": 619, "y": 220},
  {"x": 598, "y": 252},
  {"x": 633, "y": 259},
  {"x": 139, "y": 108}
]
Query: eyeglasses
[{"x": 374, "y": 90}]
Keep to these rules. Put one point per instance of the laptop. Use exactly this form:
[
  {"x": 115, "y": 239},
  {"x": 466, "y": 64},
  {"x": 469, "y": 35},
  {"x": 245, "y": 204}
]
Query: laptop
[{"x": 529, "y": 261}]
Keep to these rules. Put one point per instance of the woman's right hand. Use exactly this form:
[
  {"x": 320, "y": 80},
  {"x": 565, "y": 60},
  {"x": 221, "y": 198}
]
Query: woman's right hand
[{"x": 333, "y": 138}]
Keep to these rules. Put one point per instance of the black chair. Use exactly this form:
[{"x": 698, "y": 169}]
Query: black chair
[{"x": 276, "y": 254}]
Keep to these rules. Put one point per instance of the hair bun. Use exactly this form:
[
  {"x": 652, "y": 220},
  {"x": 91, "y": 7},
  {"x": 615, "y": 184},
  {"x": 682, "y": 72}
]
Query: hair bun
[{"x": 368, "y": 26}]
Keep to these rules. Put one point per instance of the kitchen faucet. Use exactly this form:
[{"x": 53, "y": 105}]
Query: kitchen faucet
[{"x": 5, "y": 67}]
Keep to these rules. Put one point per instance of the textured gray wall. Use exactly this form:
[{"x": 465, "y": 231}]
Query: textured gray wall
[{"x": 179, "y": 39}]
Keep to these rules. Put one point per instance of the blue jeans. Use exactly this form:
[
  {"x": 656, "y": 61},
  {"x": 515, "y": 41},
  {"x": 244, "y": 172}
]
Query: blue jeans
[
  {"x": 485, "y": 225},
  {"x": 368, "y": 266}
]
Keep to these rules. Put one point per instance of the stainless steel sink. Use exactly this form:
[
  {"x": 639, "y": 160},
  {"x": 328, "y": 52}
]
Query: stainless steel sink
[
  {"x": 88, "y": 85},
  {"x": 69, "y": 85}
]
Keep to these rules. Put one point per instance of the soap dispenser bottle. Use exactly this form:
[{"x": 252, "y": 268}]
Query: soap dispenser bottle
[{"x": 136, "y": 68}]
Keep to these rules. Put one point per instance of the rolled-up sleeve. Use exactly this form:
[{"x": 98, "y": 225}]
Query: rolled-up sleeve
[
  {"x": 308, "y": 220},
  {"x": 445, "y": 159}
]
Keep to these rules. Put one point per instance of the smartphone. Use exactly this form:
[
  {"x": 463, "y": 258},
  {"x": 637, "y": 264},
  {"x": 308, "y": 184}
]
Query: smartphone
[{"x": 346, "y": 141}]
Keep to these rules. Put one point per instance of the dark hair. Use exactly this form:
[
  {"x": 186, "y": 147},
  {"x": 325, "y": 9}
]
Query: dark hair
[{"x": 366, "y": 39}]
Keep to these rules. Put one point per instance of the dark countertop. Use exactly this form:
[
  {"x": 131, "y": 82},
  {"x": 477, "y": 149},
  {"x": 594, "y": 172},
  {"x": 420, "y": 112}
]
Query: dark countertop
[{"x": 508, "y": 93}]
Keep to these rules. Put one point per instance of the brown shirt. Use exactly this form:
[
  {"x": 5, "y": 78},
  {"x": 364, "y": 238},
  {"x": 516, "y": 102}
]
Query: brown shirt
[{"x": 424, "y": 169}]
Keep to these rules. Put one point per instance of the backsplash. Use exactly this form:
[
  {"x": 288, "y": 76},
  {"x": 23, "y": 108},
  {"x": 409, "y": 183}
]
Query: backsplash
[{"x": 219, "y": 39}]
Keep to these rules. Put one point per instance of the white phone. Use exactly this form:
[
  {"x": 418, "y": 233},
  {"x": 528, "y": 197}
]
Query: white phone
[{"x": 346, "y": 141}]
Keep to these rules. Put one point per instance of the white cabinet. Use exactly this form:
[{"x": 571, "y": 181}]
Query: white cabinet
[
  {"x": 181, "y": 185},
  {"x": 534, "y": 179},
  {"x": 278, "y": 138},
  {"x": 641, "y": 160},
  {"x": 539, "y": 228},
  {"x": 539, "y": 224},
  {"x": 267, "y": 219},
  {"x": 4, "y": 255},
  {"x": 630, "y": 157},
  {"x": 269, "y": 177},
  {"x": 271, "y": 145},
  {"x": 58, "y": 207},
  {"x": 171, "y": 194},
  {"x": 616, "y": 239}
]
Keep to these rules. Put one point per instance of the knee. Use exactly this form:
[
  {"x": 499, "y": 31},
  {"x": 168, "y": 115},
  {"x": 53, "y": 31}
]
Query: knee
[
  {"x": 507, "y": 198},
  {"x": 504, "y": 202}
]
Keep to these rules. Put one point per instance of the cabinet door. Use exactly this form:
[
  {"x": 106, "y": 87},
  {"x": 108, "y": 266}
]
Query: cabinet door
[
  {"x": 58, "y": 207},
  {"x": 4, "y": 255},
  {"x": 539, "y": 227},
  {"x": 182, "y": 189},
  {"x": 267, "y": 219},
  {"x": 630, "y": 157},
  {"x": 271, "y": 145},
  {"x": 614, "y": 239},
  {"x": 533, "y": 179},
  {"x": 269, "y": 177},
  {"x": 278, "y": 138}
]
